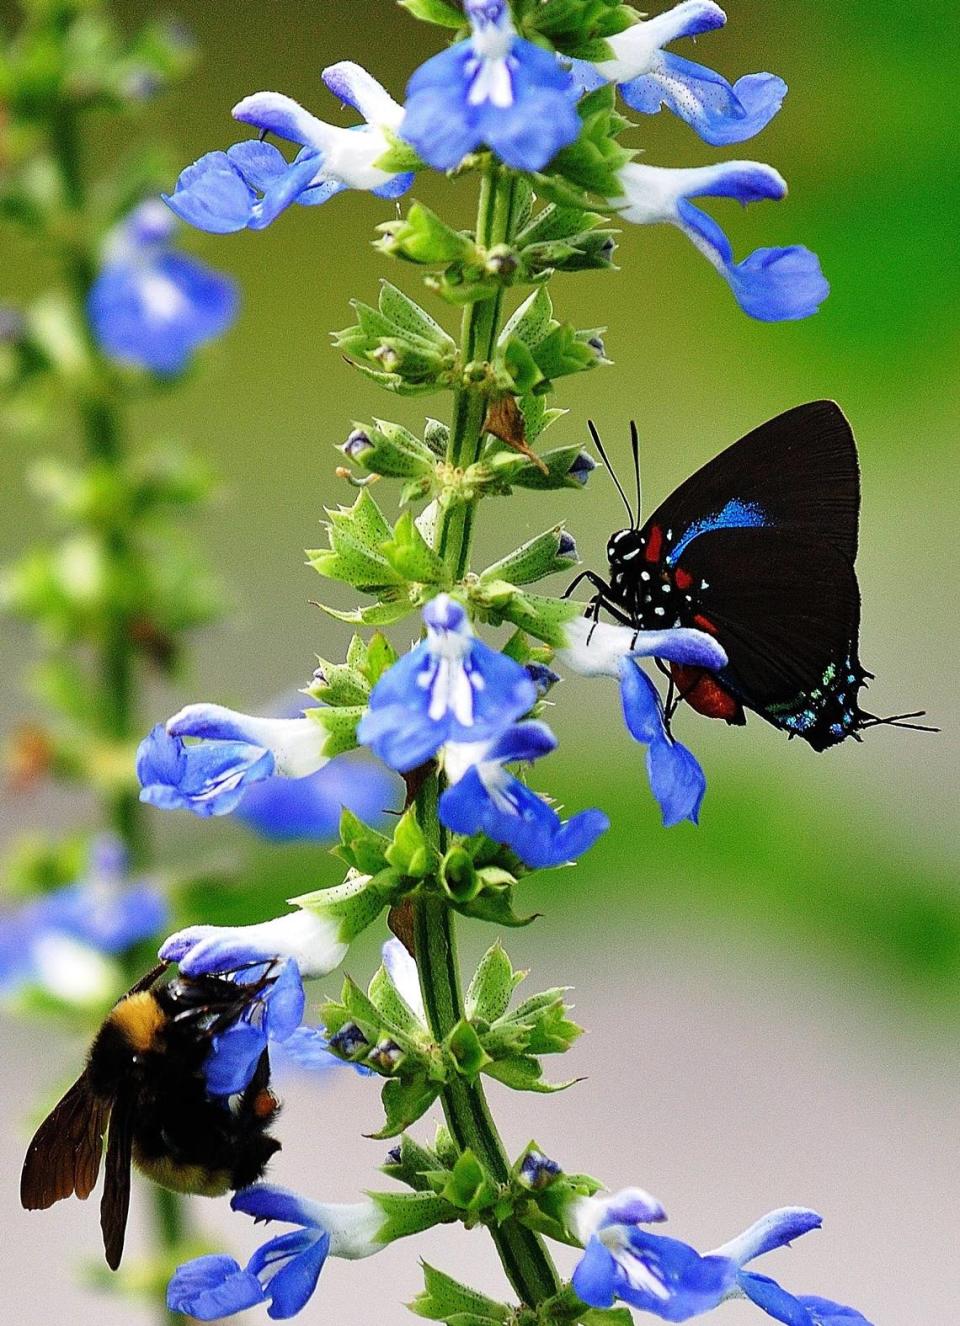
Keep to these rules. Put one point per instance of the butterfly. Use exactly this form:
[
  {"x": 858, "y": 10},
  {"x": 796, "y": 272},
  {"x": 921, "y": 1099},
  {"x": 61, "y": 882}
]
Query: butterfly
[{"x": 756, "y": 549}]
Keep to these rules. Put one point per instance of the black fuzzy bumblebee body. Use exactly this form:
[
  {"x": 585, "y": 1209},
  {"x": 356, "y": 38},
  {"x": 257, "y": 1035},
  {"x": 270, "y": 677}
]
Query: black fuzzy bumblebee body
[
  {"x": 757, "y": 549},
  {"x": 144, "y": 1086}
]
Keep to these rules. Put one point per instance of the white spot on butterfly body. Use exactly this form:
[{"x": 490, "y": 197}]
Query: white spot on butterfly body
[{"x": 630, "y": 555}]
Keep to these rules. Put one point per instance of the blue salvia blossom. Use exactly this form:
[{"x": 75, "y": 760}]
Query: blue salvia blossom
[
  {"x": 271, "y": 1019},
  {"x": 773, "y": 285},
  {"x": 305, "y": 938},
  {"x": 673, "y": 1281},
  {"x": 63, "y": 940},
  {"x": 598, "y": 649},
  {"x": 649, "y": 77},
  {"x": 284, "y": 1271},
  {"x": 298, "y": 809},
  {"x": 227, "y": 752},
  {"x": 450, "y": 688},
  {"x": 249, "y": 185},
  {"x": 486, "y": 798},
  {"x": 492, "y": 90},
  {"x": 150, "y": 305}
]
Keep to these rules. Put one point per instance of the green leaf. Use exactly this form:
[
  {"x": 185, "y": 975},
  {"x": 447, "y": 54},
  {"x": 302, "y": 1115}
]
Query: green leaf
[
  {"x": 340, "y": 726},
  {"x": 354, "y": 556},
  {"x": 493, "y": 983},
  {"x": 534, "y": 560},
  {"x": 380, "y": 656},
  {"x": 341, "y": 685},
  {"x": 465, "y": 1048},
  {"x": 385, "y": 613},
  {"x": 410, "y": 1212},
  {"x": 411, "y": 556},
  {"x": 404, "y": 1103},
  {"x": 409, "y": 852},
  {"x": 415, "y": 1162},
  {"x": 388, "y": 449},
  {"x": 531, "y": 321},
  {"x": 445, "y": 1299},
  {"x": 360, "y": 846},
  {"x": 407, "y": 315},
  {"x": 392, "y": 1007},
  {"x": 468, "y": 1187},
  {"x": 399, "y": 157},
  {"x": 422, "y": 237},
  {"x": 522, "y": 1072},
  {"x": 434, "y": 11}
]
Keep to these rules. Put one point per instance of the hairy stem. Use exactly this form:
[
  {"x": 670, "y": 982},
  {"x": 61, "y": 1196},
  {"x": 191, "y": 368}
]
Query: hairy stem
[{"x": 523, "y": 1254}]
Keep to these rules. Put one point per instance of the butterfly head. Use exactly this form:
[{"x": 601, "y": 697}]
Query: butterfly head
[{"x": 624, "y": 547}]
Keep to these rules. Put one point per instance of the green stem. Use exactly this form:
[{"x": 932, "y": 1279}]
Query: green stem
[
  {"x": 478, "y": 337},
  {"x": 99, "y": 408},
  {"x": 523, "y": 1254}
]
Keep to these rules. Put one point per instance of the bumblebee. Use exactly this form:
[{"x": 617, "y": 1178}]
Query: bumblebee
[{"x": 144, "y": 1087}]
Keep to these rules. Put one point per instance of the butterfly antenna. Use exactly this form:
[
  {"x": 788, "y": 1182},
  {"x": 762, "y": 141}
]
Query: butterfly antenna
[
  {"x": 635, "y": 448},
  {"x": 899, "y": 720},
  {"x": 610, "y": 470}
]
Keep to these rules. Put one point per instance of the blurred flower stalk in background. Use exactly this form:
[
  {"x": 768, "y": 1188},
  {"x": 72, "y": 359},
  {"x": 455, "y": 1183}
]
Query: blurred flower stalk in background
[
  {"x": 526, "y": 103},
  {"x": 109, "y": 582}
]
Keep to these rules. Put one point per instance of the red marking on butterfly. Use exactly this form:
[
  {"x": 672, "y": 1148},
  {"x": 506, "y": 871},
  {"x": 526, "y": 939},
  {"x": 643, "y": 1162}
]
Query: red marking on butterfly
[
  {"x": 704, "y": 693},
  {"x": 683, "y": 578},
  {"x": 654, "y": 544},
  {"x": 705, "y": 624}
]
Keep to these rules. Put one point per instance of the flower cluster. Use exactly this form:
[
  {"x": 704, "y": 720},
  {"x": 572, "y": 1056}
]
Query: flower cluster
[{"x": 536, "y": 109}]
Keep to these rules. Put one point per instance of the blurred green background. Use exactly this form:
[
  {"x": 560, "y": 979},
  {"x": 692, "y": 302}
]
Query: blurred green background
[{"x": 841, "y": 866}]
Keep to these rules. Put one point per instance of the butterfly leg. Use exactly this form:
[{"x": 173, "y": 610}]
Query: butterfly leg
[{"x": 591, "y": 577}]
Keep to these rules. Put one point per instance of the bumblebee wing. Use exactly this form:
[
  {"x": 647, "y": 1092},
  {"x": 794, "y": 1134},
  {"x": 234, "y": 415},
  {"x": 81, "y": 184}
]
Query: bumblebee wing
[
  {"x": 115, "y": 1202},
  {"x": 64, "y": 1156}
]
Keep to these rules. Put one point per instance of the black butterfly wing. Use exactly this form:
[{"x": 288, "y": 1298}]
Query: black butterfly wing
[
  {"x": 759, "y": 547},
  {"x": 64, "y": 1155},
  {"x": 115, "y": 1201},
  {"x": 798, "y": 471},
  {"x": 787, "y": 611}
]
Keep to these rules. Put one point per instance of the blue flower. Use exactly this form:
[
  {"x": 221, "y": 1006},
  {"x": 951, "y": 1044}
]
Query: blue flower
[
  {"x": 273, "y": 1017},
  {"x": 230, "y": 751},
  {"x": 295, "y": 809},
  {"x": 61, "y": 940},
  {"x": 674, "y": 1282},
  {"x": 649, "y": 77},
  {"x": 284, "y": 1271},
  {"x": 249, "y": 185},
  {"x": 152, "y": 306},
  {"x": 597, "y": 649},
  {"x": 306, "y": 937},
  {"x": 485, "y": 798},
  {"x": 451, "y": 687},
  {"x": 494, "y": 90},
  {"x": 774, "y": 285}
]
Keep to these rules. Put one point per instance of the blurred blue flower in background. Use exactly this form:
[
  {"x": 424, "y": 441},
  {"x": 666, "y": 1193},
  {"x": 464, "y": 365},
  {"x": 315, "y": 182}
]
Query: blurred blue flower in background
[
  {"x": 249, "y": 185},
  {"x": 649, "y": 77},
  {"x": 494, "y": 90},
  {"x": 485, "y": 798},
  {"x": 773, "y": 285},
  {"x": 294, "y": 809},
  {"x": 150, "y": 305},
  {"x": 673, "y": 1281},
  {"x": 61, "y": 941}
]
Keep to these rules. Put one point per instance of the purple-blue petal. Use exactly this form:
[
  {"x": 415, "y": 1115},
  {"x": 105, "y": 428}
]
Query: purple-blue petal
[
  {"x": 824, "y": 1312},
  {"x": 642, "y": 709},
  {"x": 774, "y": 1300},
  {"x": 268, "y": 1201},
  {"x": 779, "y": 285},
  {"x": 595, "y": 1277},
  {"x": 212, "y": 1287},
  {"x": 522, "y": 741},
  {"x": 284, "y": 1002},
  {"x": 719, "y": 113},
  {"x": 688, "y": 1284},
  {"x": 300, "y": 1255},
  {"x": 212, "y": 195},
  {"x": 289, "y": 809},
  {"x": 233, "y": 1059},
  {"x": 676, "y": 780}
]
